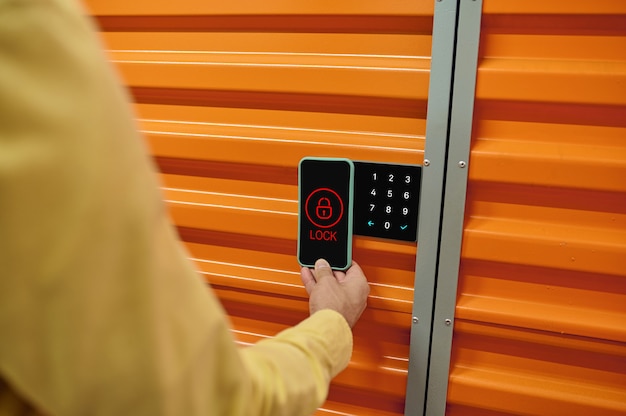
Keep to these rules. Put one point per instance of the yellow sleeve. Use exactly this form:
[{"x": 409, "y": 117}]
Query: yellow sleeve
[{"x": 101, "y": 312}]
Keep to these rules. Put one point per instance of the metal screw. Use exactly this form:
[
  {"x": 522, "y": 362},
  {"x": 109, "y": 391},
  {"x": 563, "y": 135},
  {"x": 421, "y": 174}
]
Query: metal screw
[
  {"x": 426, "y": 162},
  {"x": 462, "y": 164},
  {"x": 448, "y": 322},
  {"x": 415, "y": 320}
]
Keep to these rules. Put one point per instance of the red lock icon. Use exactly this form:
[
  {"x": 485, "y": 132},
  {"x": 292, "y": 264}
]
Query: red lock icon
[{"x": 324, "y": 210}]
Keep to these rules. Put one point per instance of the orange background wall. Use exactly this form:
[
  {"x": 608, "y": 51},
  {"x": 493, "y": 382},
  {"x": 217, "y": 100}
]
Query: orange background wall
[{"x": 541, "y": 310}]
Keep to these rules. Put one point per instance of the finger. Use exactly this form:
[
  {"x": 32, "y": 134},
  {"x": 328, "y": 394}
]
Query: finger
[
  {"x": 322, "y": 270},
  {"x": 354, "y": 270},
  {"x": 340, "y": 276},
  {"x": 306, "y": 275},
  {"x": 354, "y": 274}
]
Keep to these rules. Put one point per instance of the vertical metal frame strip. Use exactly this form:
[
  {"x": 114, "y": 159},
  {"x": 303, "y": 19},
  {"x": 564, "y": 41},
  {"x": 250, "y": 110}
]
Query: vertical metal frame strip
[
  {"x": 468, "y": 36},
  {"x": 429, "y": 226}
]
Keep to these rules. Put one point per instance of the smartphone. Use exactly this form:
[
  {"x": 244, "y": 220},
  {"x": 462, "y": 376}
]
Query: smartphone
[{"x": 325, "y": 200}]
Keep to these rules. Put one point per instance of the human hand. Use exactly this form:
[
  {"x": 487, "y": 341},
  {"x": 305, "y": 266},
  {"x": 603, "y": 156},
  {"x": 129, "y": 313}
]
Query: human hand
[{"x": 345, "y": 293}]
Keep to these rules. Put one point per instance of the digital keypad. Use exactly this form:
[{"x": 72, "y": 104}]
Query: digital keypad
[{"x": 386, "y": 200}]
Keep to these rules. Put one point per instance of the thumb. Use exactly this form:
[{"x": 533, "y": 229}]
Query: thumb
[{"x": 322, "y": 270}]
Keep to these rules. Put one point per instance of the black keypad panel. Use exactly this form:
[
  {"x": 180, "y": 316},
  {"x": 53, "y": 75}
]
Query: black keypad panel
[{"x": 386, "y": 200}]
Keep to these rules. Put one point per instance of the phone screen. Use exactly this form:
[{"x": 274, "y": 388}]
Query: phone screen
[{"x": 325, "y": 211}]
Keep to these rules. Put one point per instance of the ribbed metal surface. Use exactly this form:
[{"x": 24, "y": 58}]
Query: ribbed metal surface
[
  {"x": 541, "y": 311},
  {"x": 230, "y": 96}
]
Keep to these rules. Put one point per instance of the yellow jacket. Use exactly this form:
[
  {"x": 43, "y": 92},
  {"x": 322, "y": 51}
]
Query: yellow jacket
[{"x": 101, "y": 312}]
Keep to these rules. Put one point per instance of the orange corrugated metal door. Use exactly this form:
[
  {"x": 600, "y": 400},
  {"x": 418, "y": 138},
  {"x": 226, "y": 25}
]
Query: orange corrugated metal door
[
  {"x": 230, "y": 96},
  {"x": 540, "y": 325}
]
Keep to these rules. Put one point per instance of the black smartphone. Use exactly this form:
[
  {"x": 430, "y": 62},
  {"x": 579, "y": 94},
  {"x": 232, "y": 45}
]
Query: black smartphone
[{"x": 325, "y": 199}]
